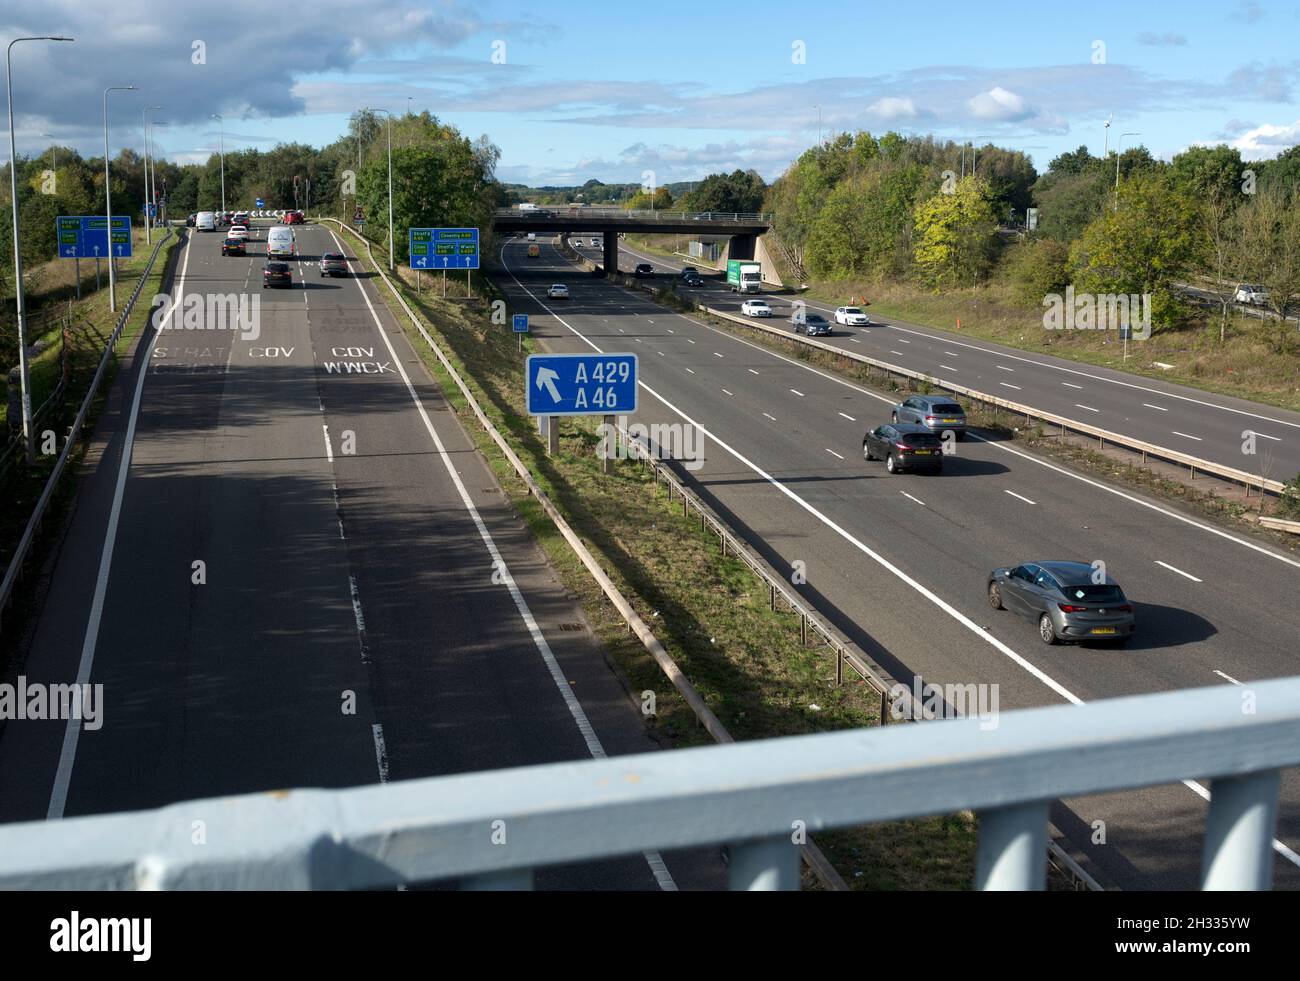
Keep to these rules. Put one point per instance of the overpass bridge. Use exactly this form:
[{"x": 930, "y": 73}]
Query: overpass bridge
[{"x": 743, "y": 230}]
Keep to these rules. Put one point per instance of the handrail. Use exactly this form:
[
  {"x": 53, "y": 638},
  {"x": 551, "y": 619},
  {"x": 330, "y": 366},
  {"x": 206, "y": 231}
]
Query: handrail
[{"x": 753, "y": 796}]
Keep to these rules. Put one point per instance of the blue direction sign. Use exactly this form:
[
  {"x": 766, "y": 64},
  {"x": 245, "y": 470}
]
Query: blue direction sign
[
  {"x": 443, "y": 248},
  {"x": 581, "y": 384},
  {"x": 519, "y": 323},
  {"x": 261, "y": 203},
  {"x": 85, "y": 236}
]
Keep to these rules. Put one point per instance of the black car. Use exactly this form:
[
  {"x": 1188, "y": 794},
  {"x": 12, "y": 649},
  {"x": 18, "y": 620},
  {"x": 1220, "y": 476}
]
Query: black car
[
  {"x": 693, "y": 280},
  {"x": 904, "y": 446},
  {"x": 276, "y": 274},
  {"x": 644, "y": 271},
  {"x": 234, "y": 246},
  {"x": 812, "y": 324},
  {"x": 689, "y": 271}
]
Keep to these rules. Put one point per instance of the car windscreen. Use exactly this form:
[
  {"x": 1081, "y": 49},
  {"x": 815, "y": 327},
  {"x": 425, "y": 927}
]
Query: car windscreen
[
  {"x": 852, "y": 310},
  {"x": 1094, "y": 593}
]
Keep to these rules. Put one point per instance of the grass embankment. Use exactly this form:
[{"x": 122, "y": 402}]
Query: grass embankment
[
  {"x": 1247, "y": 364},
  {"x": 711, "y": 613},
  {"x": 91, "y": 324}
]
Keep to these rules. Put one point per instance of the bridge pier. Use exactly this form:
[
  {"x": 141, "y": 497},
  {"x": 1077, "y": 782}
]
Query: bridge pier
[{"x": 610, "y": 241}]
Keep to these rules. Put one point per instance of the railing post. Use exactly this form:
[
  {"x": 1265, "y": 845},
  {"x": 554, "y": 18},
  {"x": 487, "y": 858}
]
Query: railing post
[
  {"x": 1012, "y": 852},
  {"x": 1239, "y": 832},
  {"x": 765, "y": 865}
]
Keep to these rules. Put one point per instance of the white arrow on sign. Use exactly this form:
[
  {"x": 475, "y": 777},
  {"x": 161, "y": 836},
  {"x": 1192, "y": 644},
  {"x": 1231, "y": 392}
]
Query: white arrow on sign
[{"x": 546, "y": 379}]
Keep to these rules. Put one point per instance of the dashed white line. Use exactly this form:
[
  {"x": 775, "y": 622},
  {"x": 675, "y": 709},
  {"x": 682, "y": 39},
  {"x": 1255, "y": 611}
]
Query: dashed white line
[
  {"x": 1186, "y": 435},
  {"x": 797, "y": 392},
  {"x": 1185, "y": 575},
  {"x": 329, "y": 450},
  {"x": 1005, "y": 385},
  {"x": 1159, "y": 408},
  {"x": 1021, "y": 496},
  {"x": 691, "y": 370},
  {"x": 725, "y": 392},
  {"x": 1068, "y": 385},
  {"x": 1080, "y": 405},
  {"x": 947, "y": 367},
  {"x": 848, "y": 417},
  {"x": 752, "y": 371},
  {"x": 1227, "y": 677},
  {"x": 1002, "y": 367},
  {"x": 716, "y": 354},
  {"x": 773, "y": 418},
  {"x": 916, "y": 499},
  {"x": 833, "y": 453}
]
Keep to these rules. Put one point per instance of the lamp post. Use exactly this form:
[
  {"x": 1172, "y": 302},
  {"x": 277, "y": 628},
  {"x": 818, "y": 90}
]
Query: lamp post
[
  {"x": 1118, "y": 144},
  {"x": 1106, "y": 144},
  {"x": 18, "y": 249},
  {"x": 217, "y": 116},
  {"x": 148, "y": 198},
  {"x": 390, "y": 184},
  {"x": 108, "y": 202}
]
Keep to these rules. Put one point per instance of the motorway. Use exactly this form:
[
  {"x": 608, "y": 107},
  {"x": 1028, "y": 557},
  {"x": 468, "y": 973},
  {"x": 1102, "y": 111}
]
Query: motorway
[
  {"x": 1175, "y": 417},
  {"x": 289, "y": 567},
  {"x": 900, "y": 563}
]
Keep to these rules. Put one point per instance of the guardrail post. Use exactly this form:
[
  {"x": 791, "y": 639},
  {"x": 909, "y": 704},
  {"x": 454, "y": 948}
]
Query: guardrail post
[
  {"x": 803, "y": 629},
  {"x": 1012, "y": 852},
  {"x": 508, "y": 880},
  {"x": 765, "y": 865},
  {"x": 772, "y": 601},
  {"x": 1238, "y": 850}
]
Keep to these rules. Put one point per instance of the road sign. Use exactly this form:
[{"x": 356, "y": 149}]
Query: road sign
[
  {"x": 581, "y": 384},
  {"x": 261, "y": 203},
  {"x": 519, "y": 323},
  {"x": 443, "y": 248},
  {"x": 153, "y": 212},
  {"x": 1031, "y": 219},
  {"x": 84, "y": 236}
]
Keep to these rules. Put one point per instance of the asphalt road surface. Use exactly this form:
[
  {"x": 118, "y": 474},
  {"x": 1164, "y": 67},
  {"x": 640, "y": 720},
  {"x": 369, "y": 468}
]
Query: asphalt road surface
[
  {"x": 1212, "y": 427},
  {"x": 900, "y": 563},
  {"x": 368, "y": 607}
]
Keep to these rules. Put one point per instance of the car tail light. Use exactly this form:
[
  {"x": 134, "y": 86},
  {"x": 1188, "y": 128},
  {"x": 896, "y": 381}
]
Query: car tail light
[
  {"x": 929, "y": 419},
  {"x": 1067, "y": 608},
  {"x": 1125, "y": 608},
  {"x": 902, "y": 447}
]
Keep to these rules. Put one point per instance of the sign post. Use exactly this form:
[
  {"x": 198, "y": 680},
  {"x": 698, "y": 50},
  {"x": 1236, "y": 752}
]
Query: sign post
[{"x": 519, "y": 324}]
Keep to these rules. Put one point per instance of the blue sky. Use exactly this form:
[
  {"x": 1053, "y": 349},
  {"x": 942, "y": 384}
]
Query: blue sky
[{"x": 574, "y": 91}]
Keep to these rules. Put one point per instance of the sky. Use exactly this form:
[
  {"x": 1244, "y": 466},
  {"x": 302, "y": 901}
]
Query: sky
[{"x": 664, "y": 92}]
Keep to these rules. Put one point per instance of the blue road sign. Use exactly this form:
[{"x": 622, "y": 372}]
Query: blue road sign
[
  {"x": 581, "y": 384},
  {"x": 443, "y": 248},
  {"x": 85, "y": 236},
  {"x": 261, "y": 203},
  {"x": 519, "y": 323},
  {"x": 153, "y": 212}
]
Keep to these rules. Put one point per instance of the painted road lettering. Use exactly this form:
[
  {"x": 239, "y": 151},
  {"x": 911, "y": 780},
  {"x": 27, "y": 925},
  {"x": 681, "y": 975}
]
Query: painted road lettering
[{"x": 270, "y": 352}]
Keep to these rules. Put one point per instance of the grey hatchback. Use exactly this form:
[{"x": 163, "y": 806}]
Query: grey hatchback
[
  {"x": 936, "y": 413},
  {"x": 1065, "y": 599}
]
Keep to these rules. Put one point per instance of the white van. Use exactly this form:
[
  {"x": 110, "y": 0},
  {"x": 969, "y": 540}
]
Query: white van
[
  {"x": 281, "y": 243},
  {"x": 205, "y": 221}
]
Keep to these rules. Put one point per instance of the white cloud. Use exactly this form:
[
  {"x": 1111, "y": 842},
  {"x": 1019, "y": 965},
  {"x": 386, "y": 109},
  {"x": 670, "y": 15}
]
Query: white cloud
[
  {"x": 893, "y": 107},
  {"x": 1268, "y": 140},
  {"x": 1000, "y": 105}
]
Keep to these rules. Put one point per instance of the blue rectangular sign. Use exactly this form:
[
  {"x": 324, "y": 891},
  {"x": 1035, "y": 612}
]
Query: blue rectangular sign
[
  {"x": 581, "y": 384},
  {"x": 85, "y": 237},
  {"x": 443, "y": 248},
  {"x": 519, "y": 323}
]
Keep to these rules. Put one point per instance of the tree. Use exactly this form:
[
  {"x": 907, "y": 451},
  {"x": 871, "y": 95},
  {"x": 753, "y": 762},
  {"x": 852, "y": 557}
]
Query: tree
[
  {"x": 1270, "y": 244},
  {"x": 1037, "y": 267},
  {"x": 1207, "y": 171},
  {"x": 955, "y": 234},
  {"x": 741, "y": 191}
]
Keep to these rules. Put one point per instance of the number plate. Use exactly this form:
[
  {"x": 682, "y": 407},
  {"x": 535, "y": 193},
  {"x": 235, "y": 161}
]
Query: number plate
[{"x": 1103, "y": 630}]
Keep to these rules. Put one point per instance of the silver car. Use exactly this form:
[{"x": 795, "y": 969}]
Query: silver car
[
  {"x": 1066, "y": 599},
  {"x": 937, "y": 413}
]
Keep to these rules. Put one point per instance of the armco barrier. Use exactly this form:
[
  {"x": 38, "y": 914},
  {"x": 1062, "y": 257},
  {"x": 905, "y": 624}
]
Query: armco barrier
[
  {"x": 14, "y": 572},
  {"x": 812, "y": 855}
]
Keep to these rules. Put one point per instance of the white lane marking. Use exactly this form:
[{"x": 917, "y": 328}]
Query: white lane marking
[
  {"x": 854, "y": 340},
  {"x": 1159, "y": 408},
  {"x": 916, "y": 499},
  {"x": 902, "y": 340},
  {"x": 947, "y": 367},
  {"x": 381, "y": 751},
  {"x": 833, "y": 453},
  {"x": 797, "y": 392},
  {"x": 1002, "y": 367},
  {"x": 1085, "y": 374},
  {"x": 1186, "y": 435},
  {"x": 691, "y": 370},
  {"x": 899, "y": 353},
  {"x": 1080, "y": 405},
  {"x": 952, "y": 354},
  {"x": 1227, "y": 677},
  {"x": 1014, "y": 494},
  {"x": 360, "y": 619},
  {"x": 671, "y": 331},
  {"x": 1068, "y": 385},
  {"x": 329, "y": 450},
  {"x": 1185, "y": 575},
  {"x": 848, "y": 417},
  {"x": 716, "y": 354},
  {"x": 689, "y": 341},
  {"x": 661, "y": 354},
  {"x": 72, "y": 731},
  {"x": 773, "y": 418},
  {"x": 752, "y": 371},
  {"x": 725, "y": 392},
  {"x": 562, "y": 685},
  {"x": 1275, "y": 439},
  {"x": 1006, "y": 385}
]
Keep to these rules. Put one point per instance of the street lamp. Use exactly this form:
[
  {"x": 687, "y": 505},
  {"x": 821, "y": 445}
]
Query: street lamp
[
  {"x": 18, "y": 251},
  {"x": 217, "y": 116},
  {"x": 1106, "y": 152},
  {"x": 1119, "y": 143},
  {"x": 108, "y": 201},
  {"x": 148, "y": 198},
  {"x": 390, "y": 183}
]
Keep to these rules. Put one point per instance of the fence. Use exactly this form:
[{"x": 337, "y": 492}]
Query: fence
[{"x": 756, "y": 797}]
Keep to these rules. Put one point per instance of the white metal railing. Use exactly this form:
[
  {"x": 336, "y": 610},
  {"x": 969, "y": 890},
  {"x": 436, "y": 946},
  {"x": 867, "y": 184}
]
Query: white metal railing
[{"x": 493, "y": 829}]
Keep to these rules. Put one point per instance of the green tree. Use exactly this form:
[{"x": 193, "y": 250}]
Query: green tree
[{"x": 955, "y": 234}]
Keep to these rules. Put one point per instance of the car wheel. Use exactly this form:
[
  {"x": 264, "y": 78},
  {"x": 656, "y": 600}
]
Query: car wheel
[
  {"x": 995, "y": 596},
  {"x": 890, "y": 465},
  {"x": 1046, "y": 632},
  {"x": 866, "y": 452}
]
